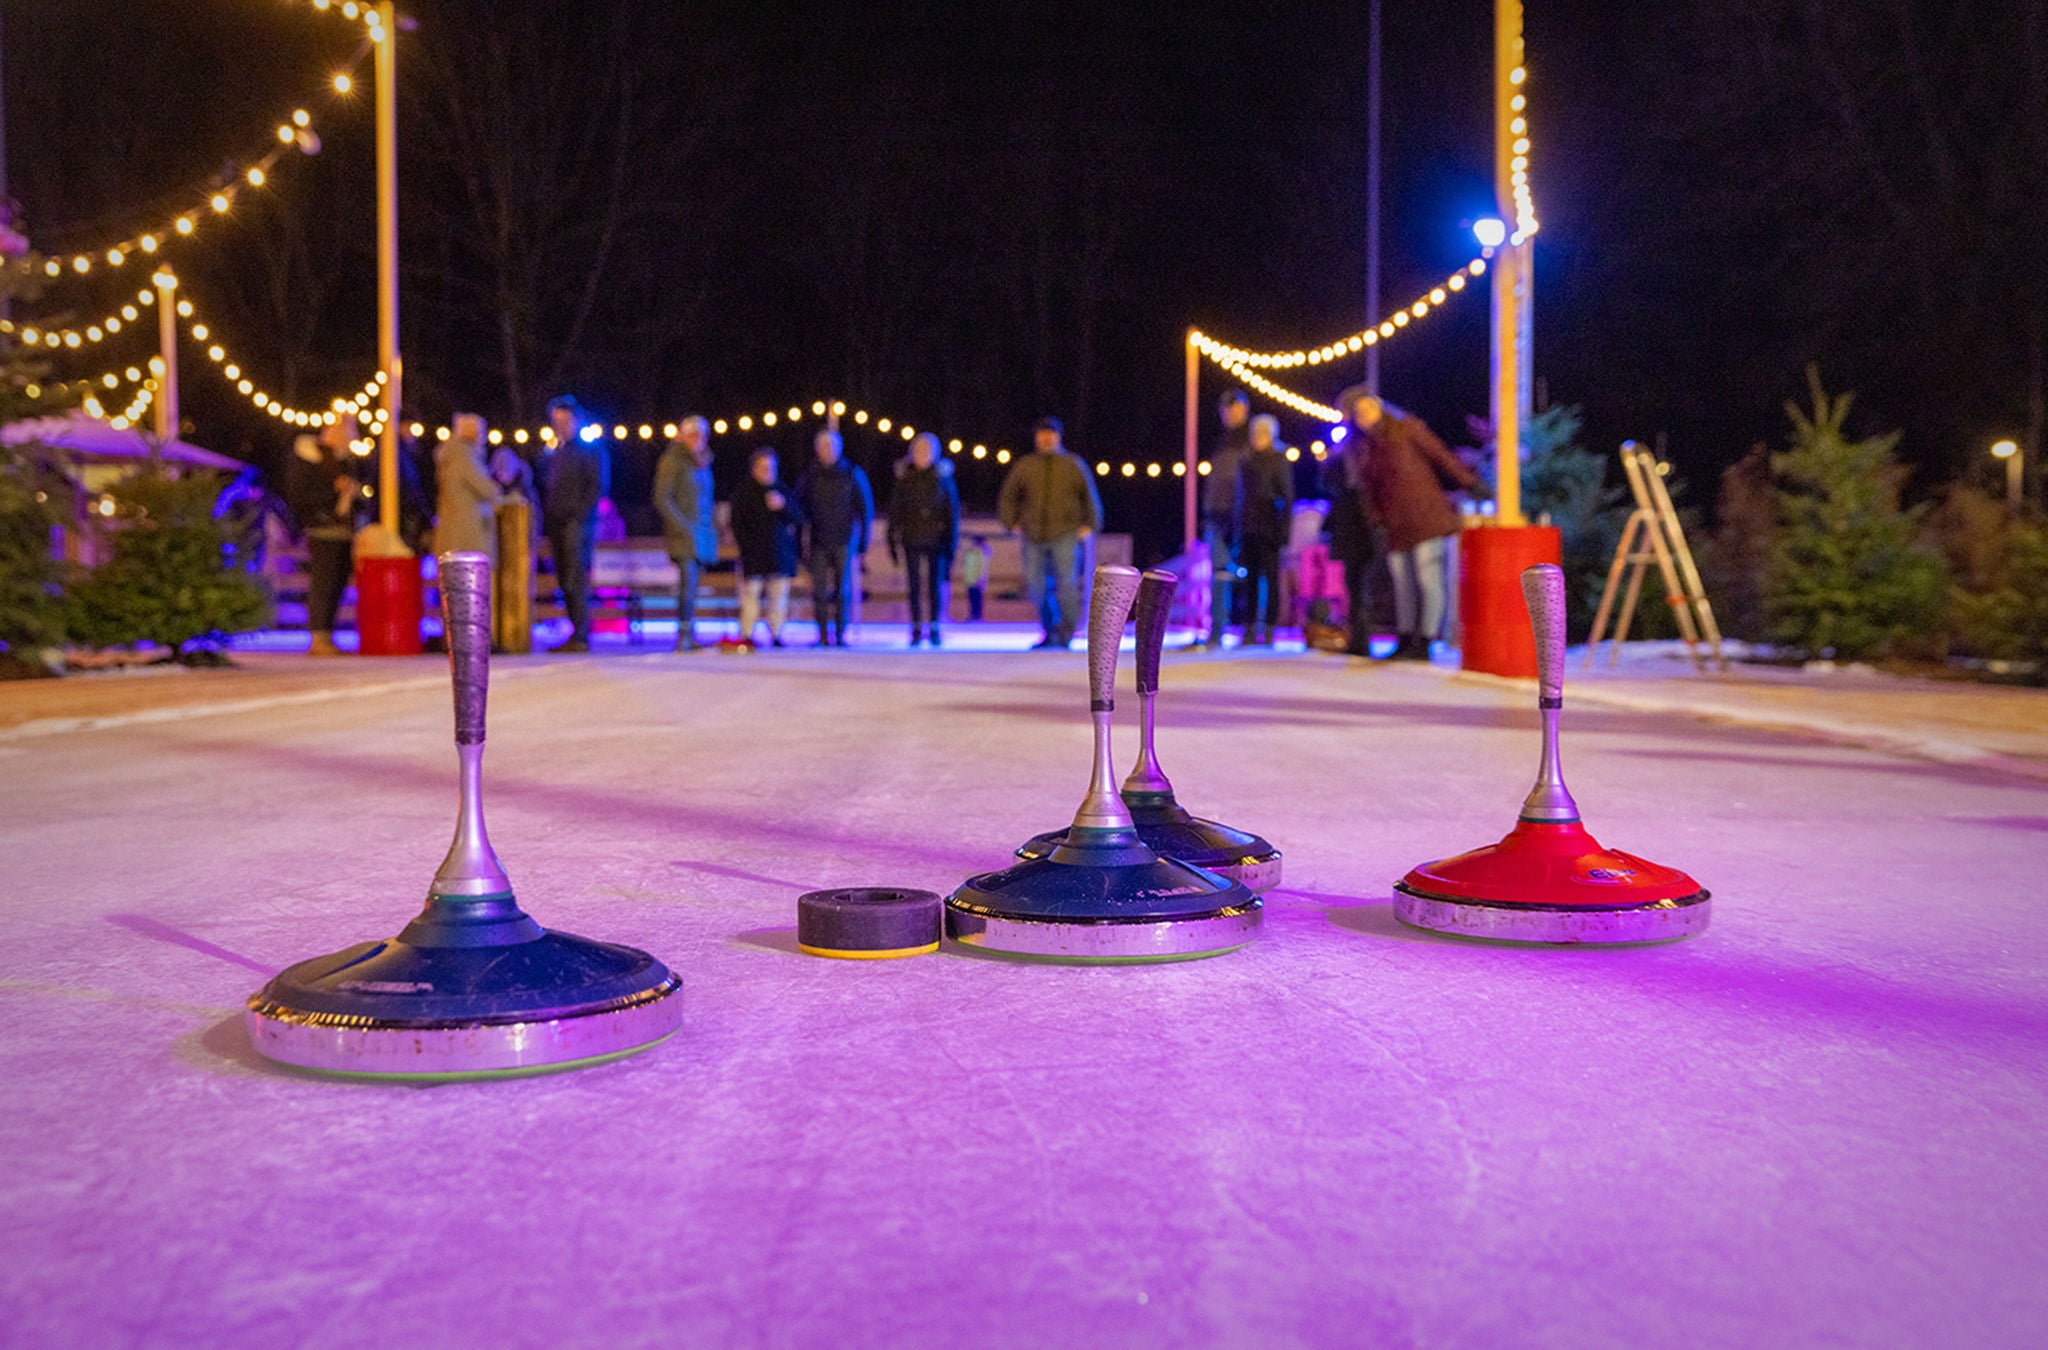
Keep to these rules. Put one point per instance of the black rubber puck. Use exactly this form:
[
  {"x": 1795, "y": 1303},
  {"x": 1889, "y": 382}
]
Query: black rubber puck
[{"x": 866, "y": 923}]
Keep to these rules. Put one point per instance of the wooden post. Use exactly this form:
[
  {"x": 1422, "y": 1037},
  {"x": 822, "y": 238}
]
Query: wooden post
[{"x": 1190, "y": 449}]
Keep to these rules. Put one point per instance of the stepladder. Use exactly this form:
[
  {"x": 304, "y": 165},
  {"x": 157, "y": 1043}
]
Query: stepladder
[{"x": 1654, "y": 537}]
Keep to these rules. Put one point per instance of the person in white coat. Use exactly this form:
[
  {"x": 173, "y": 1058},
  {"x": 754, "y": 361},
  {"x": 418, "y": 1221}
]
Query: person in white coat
[{"x": 465, "y": 519}]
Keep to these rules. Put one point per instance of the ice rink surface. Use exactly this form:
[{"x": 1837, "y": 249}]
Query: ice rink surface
[{"x": 1825, "y": 1122}]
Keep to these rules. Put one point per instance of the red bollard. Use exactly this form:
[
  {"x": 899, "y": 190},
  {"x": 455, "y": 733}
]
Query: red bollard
[
  {"x": 388, "y": 606},
  {"x": 1491, "y": 559}
]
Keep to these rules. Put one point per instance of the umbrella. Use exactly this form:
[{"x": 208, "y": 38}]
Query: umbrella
[{"x": 89, "y": 438}]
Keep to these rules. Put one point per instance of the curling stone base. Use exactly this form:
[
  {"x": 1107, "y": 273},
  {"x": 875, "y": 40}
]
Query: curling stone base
[
  {"x": 393, "y": 1010},
  {"x": 1556, "y": 925},
  {"x": 1179, "y": 938}
]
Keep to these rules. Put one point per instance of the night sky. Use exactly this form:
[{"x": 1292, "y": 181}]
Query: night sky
[{"x": 965, "y": 215}]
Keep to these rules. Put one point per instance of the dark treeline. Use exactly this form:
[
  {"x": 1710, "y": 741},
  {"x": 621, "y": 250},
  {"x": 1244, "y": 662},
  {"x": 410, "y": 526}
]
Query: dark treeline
[{"x": 967, "y": 215}]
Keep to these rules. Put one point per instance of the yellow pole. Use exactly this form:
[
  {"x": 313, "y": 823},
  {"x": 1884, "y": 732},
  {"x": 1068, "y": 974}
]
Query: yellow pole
[
  {"x": 167, "y": 339},
  {"x": 1189, "y": 447},
  {"x": 388, "y": 359},
  {"x": 1508, "y": 290}
]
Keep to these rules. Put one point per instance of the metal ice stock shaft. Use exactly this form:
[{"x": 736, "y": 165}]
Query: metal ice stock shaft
[
  {"x": 1155, "y": 606},
  {"x": 1543, "y": 591},
  {"x": 1109, "y": 608},
  {"x": 471, "y": 867}
]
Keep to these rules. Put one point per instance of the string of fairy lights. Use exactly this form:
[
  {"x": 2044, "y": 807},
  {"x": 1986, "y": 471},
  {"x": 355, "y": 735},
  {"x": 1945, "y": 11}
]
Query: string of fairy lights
[
  {"x": 1245, "y": 365},
  {"x": 296, "y": 132},
  {"x": 361, "y": 404},
  {"x": 1225, "y": 354},
  {"x": 1518, "y": 163},
  {"x": 823, "y": 412},
  {"x": 373, "y": 22},
  {"x": 91, "y": 335}
]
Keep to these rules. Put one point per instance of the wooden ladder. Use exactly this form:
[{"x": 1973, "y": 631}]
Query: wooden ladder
[{"x": 1653, "y": 534}]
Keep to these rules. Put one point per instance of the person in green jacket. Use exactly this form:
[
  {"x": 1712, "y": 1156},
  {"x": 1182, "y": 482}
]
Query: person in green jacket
[
  {"x": 682, "y": 494},
  {"x": 1050, "y": 501}
]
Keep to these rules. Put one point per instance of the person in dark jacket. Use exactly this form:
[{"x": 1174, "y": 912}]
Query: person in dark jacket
[
  {"x": 1219, "y": 503},
  {"x": 575, "y": 477},
  {"x": 1051, "y": 501},
  {"x": 1263, "y": 512},
  {"x": 836, "y": 509},
  {"x": 924, "y": 530},
  {"x": 682, "y": 496},
  {"x": 764, "y": 527},
  {"x": 1407, "y": 472},
  {"x": 1355, "y": 541},
  {"x": 322, "y": 489}
]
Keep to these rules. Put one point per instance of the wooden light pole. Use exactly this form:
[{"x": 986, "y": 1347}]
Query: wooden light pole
[
  {"x": 167, "y": 340},
  {"x": 388, "y": 359}
]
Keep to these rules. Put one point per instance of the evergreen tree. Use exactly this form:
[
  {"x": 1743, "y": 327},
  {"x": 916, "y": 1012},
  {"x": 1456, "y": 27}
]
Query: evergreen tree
[
  {"x": 31, "y": 608},
  {"x": 1736, "y": 562},
  {"x": 1998, "y": 568},
  {"x": 170, "y": 577},
  {"x": 1567, "y": 483},
  {"x": 1847, "y": 578}
]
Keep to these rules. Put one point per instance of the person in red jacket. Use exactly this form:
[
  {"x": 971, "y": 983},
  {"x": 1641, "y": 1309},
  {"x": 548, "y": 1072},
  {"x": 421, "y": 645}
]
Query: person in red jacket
[{"x": 1405, "y": 472}]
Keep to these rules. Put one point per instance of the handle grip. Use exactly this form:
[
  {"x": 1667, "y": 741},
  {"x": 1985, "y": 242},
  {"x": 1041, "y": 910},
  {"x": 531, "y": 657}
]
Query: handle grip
[
  {"x": 1155, "y": 607},
  {"x": 466, "y": 619},
  {"x": 1109, "y": 609},
  {"x": 1543, "y": 591}
]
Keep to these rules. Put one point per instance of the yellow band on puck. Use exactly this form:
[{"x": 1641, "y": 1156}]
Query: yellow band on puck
[{"x": 849, "y": 954}]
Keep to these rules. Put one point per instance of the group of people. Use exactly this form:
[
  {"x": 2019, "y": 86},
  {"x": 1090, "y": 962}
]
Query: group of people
[
  {"x": 1390, "y": 521},
  {"x": 1247, "y": 505},
  {"x": 329, "y": 491},
  {"x": 826, "y": 520}
]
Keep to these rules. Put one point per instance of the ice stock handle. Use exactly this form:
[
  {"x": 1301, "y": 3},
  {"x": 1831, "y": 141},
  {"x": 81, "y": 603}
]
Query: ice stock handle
[
  {"x": 1155, "y": 607},
  {"x": 1543, "y": 592},
  {"x": 1109, "y": 608},
  {"x": 466, "y": 619}
]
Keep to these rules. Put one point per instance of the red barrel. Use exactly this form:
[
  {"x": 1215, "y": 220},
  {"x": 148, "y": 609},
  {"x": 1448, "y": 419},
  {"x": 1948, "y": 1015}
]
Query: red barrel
[
  {"x": 388, "y": 605},
  {"x": 1498, "y": 639}
]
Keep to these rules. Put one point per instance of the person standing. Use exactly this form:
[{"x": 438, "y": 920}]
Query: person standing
[
  {"x": 764, "y": 526},
  {"x": 924, "y": 530},
  {"x": 321, "y": 488},
  {"x": 1355, "y": 541},
  {"x": 1219, "y": 505},
  {"x": 1050, "y": 500},
  {"x": 466, "y": 512},
  {"x": 836, "y": 510},
  {"x": 1407, "y": 471},
  {"x": 575, "y": 478},
  {"x": 682, "y": 494},
  {"x": 1262, "y": 513},
  {"x": 974, "y": 569}
]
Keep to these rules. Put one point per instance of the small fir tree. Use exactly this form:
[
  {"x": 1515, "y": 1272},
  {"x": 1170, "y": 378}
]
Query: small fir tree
[
  {"x": 31, "y": 602},
  {"x": 169, "y": 577},
  {"x": 1736, "y": 562},
  {"x": 1847, "y": 578},
  {"x": 1998, "y": 566},
  {"x": 1567, "y": 483}
]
